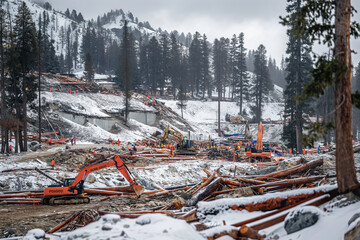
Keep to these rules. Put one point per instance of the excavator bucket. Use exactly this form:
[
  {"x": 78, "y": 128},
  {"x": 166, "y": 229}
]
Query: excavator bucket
[{"x": 138, "y": 189}]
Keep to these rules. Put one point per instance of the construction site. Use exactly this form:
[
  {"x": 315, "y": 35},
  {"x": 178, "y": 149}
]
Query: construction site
[{"x": 164, "y": 176}]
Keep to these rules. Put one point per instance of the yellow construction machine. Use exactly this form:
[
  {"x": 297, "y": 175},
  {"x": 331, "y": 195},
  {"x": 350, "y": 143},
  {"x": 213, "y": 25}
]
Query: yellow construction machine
[{"x": 184, "y": 146}]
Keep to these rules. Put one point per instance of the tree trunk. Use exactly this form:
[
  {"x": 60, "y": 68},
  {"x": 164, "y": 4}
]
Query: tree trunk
[
  {"x": 345, "y": 168},
  {"x": 298, "y": 128},
  {"x": 24, "y": 114}
]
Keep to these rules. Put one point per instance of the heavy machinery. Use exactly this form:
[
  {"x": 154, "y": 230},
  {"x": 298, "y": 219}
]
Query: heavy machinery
[
  {"x": 185, "y": 146},
  {"x": 71, "y": 191},
  {"x": 256, "y": 150}
]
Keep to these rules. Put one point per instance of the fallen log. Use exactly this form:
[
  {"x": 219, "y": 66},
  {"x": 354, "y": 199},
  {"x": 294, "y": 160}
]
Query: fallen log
[
  {"x": 251, "y": 233},
  {"x": 289, "y": 182},
  {"x": 63, "y": 223},
  {"x": 204, "y": 184},
  {"x": 272, "y": 221},
  {"x": 128, "y": 189},
  {"x": 104, "y": 192},
  {"x": 251, "y": 181},
  {"x": 200, "y": 195},
  {"x": 293, "y": 170}
]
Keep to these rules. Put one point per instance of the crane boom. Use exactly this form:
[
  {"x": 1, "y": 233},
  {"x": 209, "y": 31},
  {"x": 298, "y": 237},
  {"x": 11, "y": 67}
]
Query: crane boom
[{"x": 259, "y": 144}]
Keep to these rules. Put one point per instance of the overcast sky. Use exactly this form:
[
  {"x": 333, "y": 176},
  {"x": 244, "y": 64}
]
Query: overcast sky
[{"x": 258, "y": 19}]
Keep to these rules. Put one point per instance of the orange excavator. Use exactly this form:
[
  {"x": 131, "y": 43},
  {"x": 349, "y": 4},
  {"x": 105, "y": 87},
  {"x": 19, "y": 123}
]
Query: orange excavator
[
  {"x": 71, "y": 191},
  {"x": 257, "y": 150}
]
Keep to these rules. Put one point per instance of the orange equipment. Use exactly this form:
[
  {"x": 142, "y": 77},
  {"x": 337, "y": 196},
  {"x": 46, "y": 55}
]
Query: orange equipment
[
  {"x": 259, "y": 144},
  {"x": 258, "y": 151},
  {"x": 71, "y": 191}
]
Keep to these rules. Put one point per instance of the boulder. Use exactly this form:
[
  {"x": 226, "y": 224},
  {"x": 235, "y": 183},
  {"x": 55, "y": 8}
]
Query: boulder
[
  {"x": 35, "y": 234},
  {"x": 301, "y": 218}
]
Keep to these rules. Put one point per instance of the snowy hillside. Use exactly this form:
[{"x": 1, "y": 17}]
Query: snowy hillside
[{"x": 58, "y": 22}]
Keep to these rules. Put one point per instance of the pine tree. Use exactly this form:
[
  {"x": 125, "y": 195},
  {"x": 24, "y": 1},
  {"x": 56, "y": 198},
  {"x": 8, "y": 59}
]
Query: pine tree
[
  {"x": 175, "y": 67},
  {"x": 298, "y": 66},
  {"x": 89, "y": 68},
  {"x": 4, "y": 109},
  {"x": 220, "y": 64},
  {"x": 68, "y": 56},
  {"x": 262, "y": 81},
  {"x": 165, "y": 61},
  {"x": 233, "y": 64},
  {"x": 86, "y": 43},
  {"x": 144, "y": 65},
  {"x": 25, "y": 39},
  {"x": 101, "y": 52},
  {"x": 195, "y": 63},
  {"x": 75, "y": 49},
  {"x": 243, "y": 78},
  {"x": 154, "y": 55},
  {"x": 182, "y": 99},
  {"x": 126, "y": 68},
  {"x": 205, "y": 81}
]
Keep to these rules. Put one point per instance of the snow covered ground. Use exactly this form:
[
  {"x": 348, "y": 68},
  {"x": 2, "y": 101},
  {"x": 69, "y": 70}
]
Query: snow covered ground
[{"x": 202, "y": 116}]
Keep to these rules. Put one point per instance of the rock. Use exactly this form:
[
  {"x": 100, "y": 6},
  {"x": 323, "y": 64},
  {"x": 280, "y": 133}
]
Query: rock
[
  {"x": 301, "y": 218},
  {"x": 111, "y": 218},
  {"x": 106, "y": 227},
  {"x": 143, "y": 220},
  {"x": 126, "y": 226},
  {"x": 354, "y": 232},
  {"x": 35, "y": 234},
  {"x": 10, "y": 232},
  {"x": 353, "y": 218},
  {"x": 90, "y": 178}
]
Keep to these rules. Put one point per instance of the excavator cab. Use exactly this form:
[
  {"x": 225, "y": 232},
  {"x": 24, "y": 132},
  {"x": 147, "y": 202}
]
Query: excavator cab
[{"x": 68, "y": 181}]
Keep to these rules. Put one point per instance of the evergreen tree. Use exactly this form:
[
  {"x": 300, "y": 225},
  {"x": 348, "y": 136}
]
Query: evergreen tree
[
  {"x": 86, "y": 43},
  {"x": 154, "y": 56},
  {"x": 89, "y": 68},
  {"x": 144, "y": 65},
  {"x": 175, "y": 67},
  {"x": 233, "y": 64},
  {"x": 220, "y": 64},
  {"x": 243, "y": 78},
  {"x": 298, "y": 66},
  {"x": 165, "y": 62},
  {"x": 101, "y": 52},
  {"x": 205, "y": 82},
  {"x": 67, "y": 13},
  {"x": 182, "y": 99},
  {"x": 126, "y": 68},
  {"x": 68, "y": 56},
  {"x": 75, "y": 49},
  {"x": 195, "y": 63},
  {"x": 25, "y": 39},
  {"x": 4, "y": 107},
  {"x": 262, "y": 81}
]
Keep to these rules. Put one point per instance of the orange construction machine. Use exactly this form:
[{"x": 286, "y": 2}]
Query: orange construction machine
[
  {"x": 71, "y": 191},
  {"x": 257, "y": 150}
]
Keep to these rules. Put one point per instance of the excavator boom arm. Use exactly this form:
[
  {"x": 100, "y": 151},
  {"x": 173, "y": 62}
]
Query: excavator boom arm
[{"x": 120, "y": 165}]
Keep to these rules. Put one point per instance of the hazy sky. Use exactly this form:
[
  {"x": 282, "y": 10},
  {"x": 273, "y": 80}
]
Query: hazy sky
[{"x": 258, "y": 19}]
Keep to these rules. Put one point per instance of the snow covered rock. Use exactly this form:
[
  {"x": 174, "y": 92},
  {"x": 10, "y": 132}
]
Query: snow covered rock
[
  {"x": 35, "y": 234},
  {"x": 301, "y": 218},
  {"x": 353, "y": 231},
  {"x": 149, "y": 226}
]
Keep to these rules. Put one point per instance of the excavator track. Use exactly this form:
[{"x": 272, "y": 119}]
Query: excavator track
[{"x": 67, "y": 200}]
